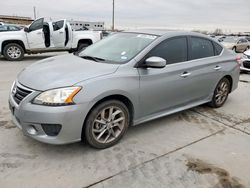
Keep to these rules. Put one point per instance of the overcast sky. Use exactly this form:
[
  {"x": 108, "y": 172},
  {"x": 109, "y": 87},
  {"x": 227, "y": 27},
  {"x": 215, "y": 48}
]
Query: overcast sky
[{"x": 230, "y": 15}]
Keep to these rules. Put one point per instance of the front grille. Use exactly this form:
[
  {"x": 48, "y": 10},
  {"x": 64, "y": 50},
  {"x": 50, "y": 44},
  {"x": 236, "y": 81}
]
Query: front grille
[
  {"x": 20, "y": 93},
  {"x": 246, "y": 64}
]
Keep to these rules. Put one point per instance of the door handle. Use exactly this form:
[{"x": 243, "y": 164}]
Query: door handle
[
  {"x": 217, "y": 68},
  {"x": 185, "y": 74},
  {"x": 61, "y": 32},
  {"x": 39, "y": 33}
]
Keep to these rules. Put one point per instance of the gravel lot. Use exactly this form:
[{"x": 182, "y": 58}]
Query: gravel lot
[{"x": 201, "y": 147}]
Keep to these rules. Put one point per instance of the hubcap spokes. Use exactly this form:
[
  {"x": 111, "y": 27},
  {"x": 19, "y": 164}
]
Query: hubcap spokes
[
  {"x": 222, "y": 92},
  {"x": 108, "y": 124},
  {"x": 14, "y": 52}
]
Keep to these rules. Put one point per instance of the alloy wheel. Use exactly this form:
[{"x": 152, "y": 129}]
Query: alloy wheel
[
  {"x": 108, "y": 124},
  {"x": 14, "y": 52},
  {"x": 221, "y": 93}
]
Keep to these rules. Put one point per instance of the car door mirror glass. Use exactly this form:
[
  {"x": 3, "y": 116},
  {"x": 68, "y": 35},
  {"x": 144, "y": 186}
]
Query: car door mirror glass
[{"x": 155, "y": 62}]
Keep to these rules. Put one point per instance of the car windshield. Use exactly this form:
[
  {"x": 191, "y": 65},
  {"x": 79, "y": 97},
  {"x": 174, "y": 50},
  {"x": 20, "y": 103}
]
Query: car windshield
[
  {"x": 9, "y": 28},
  {"x": 118, "y": 48}
]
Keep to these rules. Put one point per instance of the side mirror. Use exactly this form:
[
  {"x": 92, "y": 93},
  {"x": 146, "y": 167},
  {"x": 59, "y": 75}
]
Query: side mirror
[
  {"x": 155, "y": 62},
  {"x": 26, "y": 29}
]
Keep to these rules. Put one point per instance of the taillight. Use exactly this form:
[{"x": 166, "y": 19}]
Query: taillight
[{"x": 238, "y": 59}]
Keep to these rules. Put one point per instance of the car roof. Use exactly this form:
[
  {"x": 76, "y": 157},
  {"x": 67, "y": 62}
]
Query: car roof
[{"x": 170, "y": 33}]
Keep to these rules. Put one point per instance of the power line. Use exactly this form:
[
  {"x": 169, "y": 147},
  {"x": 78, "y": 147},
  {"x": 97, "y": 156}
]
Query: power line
[{"x": 113, "y": 16}]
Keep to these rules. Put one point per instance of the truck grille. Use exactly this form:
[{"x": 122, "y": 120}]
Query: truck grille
[{"x": 20, "y": 93}]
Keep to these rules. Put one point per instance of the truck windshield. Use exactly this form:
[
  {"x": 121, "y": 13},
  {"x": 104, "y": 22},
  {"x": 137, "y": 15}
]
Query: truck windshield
[{"x": 118, "y": 48}]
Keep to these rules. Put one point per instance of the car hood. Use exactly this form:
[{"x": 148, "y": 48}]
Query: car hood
[
  {"x": 247, "y": 52},
  {"x": 62, "y": 71}
]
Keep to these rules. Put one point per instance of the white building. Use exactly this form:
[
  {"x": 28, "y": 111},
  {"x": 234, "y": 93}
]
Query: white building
[{"x": 90, "y": 25}]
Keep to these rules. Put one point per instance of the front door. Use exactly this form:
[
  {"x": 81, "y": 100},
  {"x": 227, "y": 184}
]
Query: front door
[
  {"x": 166, "y": 88},
  {"x": 35, "y": 35}
]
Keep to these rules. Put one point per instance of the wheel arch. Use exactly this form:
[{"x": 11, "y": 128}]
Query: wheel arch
[
  {"x": 84, "y": 41},
  {"x": 19, "y": 42},
  {"x": 122, "y": 98},
  {"x": 230, "y": 80}
]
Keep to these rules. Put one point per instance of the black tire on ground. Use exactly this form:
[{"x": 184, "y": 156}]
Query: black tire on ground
[
  {"x": 223, "y": 88},
  {"x": 81, "y": 46},
  {"x": 93, "y": 129},
  {"x": 13, "y": 52},
  {"x": 234, "y": 49}
]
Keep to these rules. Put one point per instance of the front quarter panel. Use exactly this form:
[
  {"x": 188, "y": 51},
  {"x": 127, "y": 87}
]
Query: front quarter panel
[
  {"x": 124, "y": 82},
  {"x": 15, "y": 35}
]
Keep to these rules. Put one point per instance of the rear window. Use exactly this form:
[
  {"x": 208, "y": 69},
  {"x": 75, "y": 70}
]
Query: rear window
[
  {"x": 201, "y": 48},
  {"x": 58, "y": 25},
  {"x": 218, "y": 48}
]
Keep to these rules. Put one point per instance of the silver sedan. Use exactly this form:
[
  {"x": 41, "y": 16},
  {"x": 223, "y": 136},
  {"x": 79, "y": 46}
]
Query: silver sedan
[{"x": 126, "y": 79}]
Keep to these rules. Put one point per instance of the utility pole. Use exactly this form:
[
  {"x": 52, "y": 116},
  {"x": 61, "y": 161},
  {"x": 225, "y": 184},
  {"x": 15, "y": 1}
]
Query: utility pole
[
  {"x": 113, "y": 17},
  {"x": 34, "y": 9}
]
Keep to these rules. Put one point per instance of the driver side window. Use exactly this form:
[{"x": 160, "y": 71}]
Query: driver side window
[
  {"x": 38, "y": 24},
  {"x": 172, "y": 50}
]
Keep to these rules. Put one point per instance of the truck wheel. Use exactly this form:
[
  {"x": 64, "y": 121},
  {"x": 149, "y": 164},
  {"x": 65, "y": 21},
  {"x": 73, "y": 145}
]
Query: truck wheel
[
  {"x": 81, "y": 46},
  {"x": 13, "y": 52}
]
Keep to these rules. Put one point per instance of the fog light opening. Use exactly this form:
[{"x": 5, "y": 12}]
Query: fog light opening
[{"x": 32, "y": 130}]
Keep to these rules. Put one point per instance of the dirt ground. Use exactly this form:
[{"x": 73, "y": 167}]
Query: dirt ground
[{"x": 198, "y": 148}]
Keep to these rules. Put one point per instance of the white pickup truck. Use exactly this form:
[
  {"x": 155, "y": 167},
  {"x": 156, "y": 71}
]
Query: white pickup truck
[{"x": 42, "y": 37}]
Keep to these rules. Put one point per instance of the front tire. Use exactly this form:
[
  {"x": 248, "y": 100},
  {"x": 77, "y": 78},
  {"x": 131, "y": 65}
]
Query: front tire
[
  {"x": 234, "y": 49},
  {"x": 13, "y": 52},
  {"x": 106, "y": 124},
  {"x": 221, "y": 93}
]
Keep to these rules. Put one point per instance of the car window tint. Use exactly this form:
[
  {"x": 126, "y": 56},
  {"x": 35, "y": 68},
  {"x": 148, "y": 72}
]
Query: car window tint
[
  {"x": 218, "y": 48},
  {"x": 13, "y": 28},
  {"x": 58, "y": 25},
  {"x": 172, "y": 50},
  {"x": 201, "y": 48},
  {"x": 242, "y": 41},
  {"x": 38, "y": 24},
  {"x": 3, "y": 28}
]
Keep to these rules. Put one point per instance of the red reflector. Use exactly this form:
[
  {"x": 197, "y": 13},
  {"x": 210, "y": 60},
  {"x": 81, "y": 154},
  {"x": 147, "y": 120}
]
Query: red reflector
[{"x": 238, "y": 59}]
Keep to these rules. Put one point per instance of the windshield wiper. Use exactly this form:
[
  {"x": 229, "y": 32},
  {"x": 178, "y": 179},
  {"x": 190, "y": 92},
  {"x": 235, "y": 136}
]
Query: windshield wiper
[{"x": 96, "y": 59}]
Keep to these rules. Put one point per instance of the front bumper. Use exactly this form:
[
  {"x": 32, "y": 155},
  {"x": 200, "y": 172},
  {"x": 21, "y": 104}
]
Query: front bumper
[
  {"x": 245, "y": 65},
  {"x": 30, "y": 117}
]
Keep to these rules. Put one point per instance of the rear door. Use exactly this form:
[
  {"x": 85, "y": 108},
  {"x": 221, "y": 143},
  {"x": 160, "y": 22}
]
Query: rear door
[
  {"x": 205, "y": 67},
  {"x": 59, "y": 34}
]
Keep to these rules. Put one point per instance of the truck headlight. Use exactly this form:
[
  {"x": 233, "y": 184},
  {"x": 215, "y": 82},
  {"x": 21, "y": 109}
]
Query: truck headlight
[{"x": 57, "y": 97}]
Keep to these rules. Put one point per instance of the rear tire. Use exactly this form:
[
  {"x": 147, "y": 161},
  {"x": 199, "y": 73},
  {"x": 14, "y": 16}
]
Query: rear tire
[
  {"x": 221, "y": 93},
  {"x": 106, "y": 124},
  {"x": 13, "y": 52},
  {"x": 82, "y": 46}
]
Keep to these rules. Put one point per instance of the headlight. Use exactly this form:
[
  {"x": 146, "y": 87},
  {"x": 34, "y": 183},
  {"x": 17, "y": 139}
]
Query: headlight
[
  {"x": 244, "y": 57},
  {"x": 12, "y": 86},
  {"x": 57, "y": 97}
]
